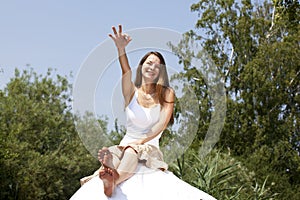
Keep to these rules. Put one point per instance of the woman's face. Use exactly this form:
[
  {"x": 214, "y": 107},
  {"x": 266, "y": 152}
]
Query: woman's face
[{"x": 151, "y": 68}]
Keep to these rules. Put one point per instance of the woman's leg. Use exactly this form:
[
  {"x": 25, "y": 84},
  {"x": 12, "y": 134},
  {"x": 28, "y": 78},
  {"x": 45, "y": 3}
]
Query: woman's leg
[
  {"x": 116, "y": 156},
  {"x": 108, "y": 173},
  {"x": 127, "y": 165},
  {"x": 115, "y": 171}
]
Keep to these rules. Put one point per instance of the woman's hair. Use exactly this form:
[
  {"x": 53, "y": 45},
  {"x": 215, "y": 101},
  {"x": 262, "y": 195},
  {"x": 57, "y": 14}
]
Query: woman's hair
[{"x": 162, "y": 82}]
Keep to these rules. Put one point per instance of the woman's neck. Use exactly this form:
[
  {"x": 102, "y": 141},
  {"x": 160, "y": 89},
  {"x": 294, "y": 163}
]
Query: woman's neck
[{"x": 149, "y": 88}]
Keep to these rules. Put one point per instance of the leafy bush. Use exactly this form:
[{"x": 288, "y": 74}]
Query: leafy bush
[{"x": 220, "y": 175}]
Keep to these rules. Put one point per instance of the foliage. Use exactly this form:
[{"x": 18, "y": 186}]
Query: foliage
[
  {"x": 42, "y": 156},
  {"x": 255, "y": 47},
  {"x": 220, "y": 175}
]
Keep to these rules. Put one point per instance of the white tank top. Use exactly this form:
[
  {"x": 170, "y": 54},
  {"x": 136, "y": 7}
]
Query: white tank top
[{"x": 139, "y": 121}]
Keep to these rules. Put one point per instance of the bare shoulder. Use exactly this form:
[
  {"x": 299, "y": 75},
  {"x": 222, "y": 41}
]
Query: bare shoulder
[{"x": 169, "y": 94}]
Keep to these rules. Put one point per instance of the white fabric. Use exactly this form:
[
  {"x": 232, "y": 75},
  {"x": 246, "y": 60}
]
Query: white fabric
[
  {"x": 144, "y": 185},
  {"x": 139, "y": 121}
]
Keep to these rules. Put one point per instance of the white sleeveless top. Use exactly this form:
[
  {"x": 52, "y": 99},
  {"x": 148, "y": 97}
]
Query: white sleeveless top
[{"x": 139, "y": 121}]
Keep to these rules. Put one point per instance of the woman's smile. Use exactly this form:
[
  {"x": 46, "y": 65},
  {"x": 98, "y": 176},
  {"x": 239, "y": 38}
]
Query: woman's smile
[{"x": 151, "y": 67}]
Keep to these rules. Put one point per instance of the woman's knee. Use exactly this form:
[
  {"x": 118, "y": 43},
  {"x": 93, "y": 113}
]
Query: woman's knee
[{"x": 130, "y": 149}]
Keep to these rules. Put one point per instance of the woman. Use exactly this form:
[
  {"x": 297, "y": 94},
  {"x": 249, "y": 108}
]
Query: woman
[{"x": 125, "y": 171}]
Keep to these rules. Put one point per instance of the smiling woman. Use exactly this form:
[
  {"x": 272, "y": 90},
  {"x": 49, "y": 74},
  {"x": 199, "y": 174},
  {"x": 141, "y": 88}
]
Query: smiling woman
[
  {"x": 151, "y": 67},
  {"x": 135, "y": 169}
]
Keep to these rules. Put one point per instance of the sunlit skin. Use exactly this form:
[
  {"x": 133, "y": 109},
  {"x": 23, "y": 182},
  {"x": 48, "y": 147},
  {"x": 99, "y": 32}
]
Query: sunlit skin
[
  {"x": 110, "y": 173},
  {"x": 150, "y": 69}
]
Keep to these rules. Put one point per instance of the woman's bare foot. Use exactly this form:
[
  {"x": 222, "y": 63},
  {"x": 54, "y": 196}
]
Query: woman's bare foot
[
  {"x": 106, "y": 176},
  {"x": 108, "y": 173},
  {"x": 105, "y": 157}
]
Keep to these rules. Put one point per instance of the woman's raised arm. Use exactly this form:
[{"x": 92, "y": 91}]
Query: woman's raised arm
[{"x": 121, "y": 41}]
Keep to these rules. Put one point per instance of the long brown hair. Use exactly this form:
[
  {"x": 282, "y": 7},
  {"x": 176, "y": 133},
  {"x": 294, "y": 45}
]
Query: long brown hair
[{"x": 162, "y": 82}]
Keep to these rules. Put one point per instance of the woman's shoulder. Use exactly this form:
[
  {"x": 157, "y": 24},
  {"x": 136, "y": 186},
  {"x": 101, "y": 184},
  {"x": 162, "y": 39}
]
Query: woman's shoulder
[
  {"x": 169, "y": 90},
  {"x": 169, "y": 94}
]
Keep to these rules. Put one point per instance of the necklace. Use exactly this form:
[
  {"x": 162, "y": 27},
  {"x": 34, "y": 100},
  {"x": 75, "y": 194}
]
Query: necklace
[{"x": 148, "y": 96}]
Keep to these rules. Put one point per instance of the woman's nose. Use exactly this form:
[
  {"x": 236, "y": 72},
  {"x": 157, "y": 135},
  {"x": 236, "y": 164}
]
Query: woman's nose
[{"x": 152, "y": 66}]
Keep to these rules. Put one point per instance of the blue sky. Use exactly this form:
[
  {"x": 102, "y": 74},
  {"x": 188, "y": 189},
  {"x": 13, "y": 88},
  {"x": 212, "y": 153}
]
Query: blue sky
[{"x": 60, "y": 34}]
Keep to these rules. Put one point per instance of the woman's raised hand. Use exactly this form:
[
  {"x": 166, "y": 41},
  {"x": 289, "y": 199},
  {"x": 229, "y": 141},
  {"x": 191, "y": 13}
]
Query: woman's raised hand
[{"x": 121, "y": 39}]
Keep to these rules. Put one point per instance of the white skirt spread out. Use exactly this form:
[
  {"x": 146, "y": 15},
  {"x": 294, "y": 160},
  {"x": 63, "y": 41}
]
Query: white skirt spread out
[{"x": 145, "y": 184}]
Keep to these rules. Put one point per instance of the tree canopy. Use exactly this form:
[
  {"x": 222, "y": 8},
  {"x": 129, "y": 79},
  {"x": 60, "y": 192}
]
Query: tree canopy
[
  {"x": 255, "y": 46},
  {"x": 42, "y": 156}
]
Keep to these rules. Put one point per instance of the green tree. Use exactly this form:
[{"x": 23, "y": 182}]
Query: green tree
[
  {"x": 255, "y": 47},
  {"x": 42, "y": 156}
]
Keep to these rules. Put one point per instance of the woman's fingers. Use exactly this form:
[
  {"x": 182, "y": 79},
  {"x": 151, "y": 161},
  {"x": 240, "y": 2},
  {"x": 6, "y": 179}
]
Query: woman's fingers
[
  {"x": 112, "y": 37},
  {"x": 114, "y": 30},
  {"x": 117, "y": 34},
  {"x": 121, "y": 39},
  {"x": 120, "y": 28}
]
